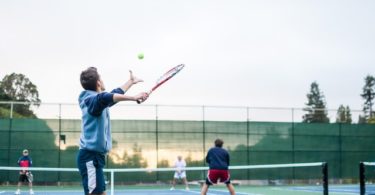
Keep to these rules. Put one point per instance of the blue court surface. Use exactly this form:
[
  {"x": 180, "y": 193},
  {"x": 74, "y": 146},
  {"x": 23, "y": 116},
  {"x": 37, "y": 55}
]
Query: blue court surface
[
  {"x": 243, "y": 190},
  {"x": 132, "y": 192},
  {"x": 338, "y": 189}
]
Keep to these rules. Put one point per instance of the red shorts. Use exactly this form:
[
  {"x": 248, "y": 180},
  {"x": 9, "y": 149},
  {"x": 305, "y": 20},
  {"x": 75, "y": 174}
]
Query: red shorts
[{"x": 215, "y": 175}]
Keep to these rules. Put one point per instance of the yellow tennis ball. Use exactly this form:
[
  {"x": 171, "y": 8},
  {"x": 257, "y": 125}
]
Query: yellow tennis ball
[{"x": 140, "y": 56}]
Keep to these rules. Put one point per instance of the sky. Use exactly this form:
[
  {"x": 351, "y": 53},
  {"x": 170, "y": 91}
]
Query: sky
[{"x": 256, "y": 53}]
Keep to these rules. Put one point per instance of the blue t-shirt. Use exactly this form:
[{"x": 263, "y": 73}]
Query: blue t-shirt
[
  {"x": 25, "y": 161},
  {"x": 218, "y": 158}
]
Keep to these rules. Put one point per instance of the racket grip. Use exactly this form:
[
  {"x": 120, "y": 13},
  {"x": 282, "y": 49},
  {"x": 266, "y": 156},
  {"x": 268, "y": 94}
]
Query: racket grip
[{"x": 140, "y": 100}]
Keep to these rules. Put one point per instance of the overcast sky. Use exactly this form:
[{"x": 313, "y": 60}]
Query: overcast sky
[{"x": 237, "y": 52}]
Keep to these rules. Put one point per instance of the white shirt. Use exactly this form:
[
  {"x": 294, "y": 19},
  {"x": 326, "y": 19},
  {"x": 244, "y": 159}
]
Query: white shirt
[
  {"x": 180, "y": 165},
  {"x": 180, "y": 169}
]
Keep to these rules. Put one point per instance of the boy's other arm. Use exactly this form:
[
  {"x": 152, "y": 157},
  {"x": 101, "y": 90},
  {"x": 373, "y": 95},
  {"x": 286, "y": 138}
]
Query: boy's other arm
[
  {"x": 132, "y": 80},
  {"x": 118, "y": 96}
]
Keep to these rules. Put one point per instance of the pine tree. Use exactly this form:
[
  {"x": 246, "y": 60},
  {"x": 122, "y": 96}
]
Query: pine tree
[
  {"x": 368, "y": 94},
  {"x": 316, "y": 106},
  {"x": 344, "y": 115},
  {"x": 348, "y": 115},
  {"x": 340, "y": 117}
]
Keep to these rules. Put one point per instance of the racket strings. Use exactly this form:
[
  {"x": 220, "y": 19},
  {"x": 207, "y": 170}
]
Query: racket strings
[{"x": 170, "y": 73}]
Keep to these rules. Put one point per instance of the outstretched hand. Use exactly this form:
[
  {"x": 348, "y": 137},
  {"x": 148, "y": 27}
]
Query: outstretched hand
[
  {"x": 134, "y": 79},
  {"x": 141, "y": 97}
]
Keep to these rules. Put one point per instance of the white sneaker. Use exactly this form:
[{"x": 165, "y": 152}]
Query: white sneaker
[
  {"x": 18, "y": 192},
  {"x": 31, "y": 192},
  {"x": 172, "y": 188},
  {"x": 187, "y": 189}
]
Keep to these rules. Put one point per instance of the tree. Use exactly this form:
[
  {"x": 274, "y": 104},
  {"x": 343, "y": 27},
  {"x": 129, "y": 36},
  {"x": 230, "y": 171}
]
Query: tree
[
  {"x": 344, "y": 115},
  {"x": 348, "y": 115},
  {"x": 368, "y": 94},
  {"x": 163, "y": 163},
  {"x": 316, "y": 106},
  {"x": 17, "y": 87},
  {"x": 134, "y": 160},
  {"x": 3, "y": 96},
  {"x": 361, "y": 120}
]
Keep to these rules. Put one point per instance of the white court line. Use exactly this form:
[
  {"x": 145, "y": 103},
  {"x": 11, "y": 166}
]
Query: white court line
[
  {"x": 297, "y": 190},
  {"x": 240, "y": 193},
  {"x": 2, "y": 192},
  {"x": 196, "y": 192},
  {"x": 305, "y": 189},
  {"x": 191, "y": 191}
]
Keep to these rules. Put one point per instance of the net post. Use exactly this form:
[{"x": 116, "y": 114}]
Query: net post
[
  {"x": 362, "y": 189},
  {"x": 112, "y": 183},
  {"x": 325, "y": 177}
]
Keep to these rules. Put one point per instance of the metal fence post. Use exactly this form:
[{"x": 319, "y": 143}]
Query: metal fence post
[
  {"x": 248, "y": 139},
  {"x": 325, "y": 178},
  {"x": 362, "y": 178},
  {"x": 59, "y": 153},
  {"x": 157, "y": 140},
  {"x": 10, "y": 136}
]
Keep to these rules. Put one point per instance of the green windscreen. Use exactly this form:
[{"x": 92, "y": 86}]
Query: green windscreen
[{"x": 157, "y": 143}]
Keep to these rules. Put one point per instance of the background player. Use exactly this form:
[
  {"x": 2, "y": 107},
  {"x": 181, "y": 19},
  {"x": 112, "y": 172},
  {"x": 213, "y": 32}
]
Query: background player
[
  {"x": 180, "y": 172},
  {"x": 25, "y": 162},
  {"x": 218, "y": 161}
]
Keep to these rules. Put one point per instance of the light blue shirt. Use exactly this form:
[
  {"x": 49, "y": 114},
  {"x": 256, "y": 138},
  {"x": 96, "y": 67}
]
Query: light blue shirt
[{"x": 96, "y": 124}]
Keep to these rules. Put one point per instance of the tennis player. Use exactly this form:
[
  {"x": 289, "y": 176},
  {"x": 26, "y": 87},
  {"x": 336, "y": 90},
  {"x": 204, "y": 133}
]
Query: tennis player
[
  {"x": 218, "y": 161},
  {"x": 180, "y": 173},
  {"x": 96, "y": 140},
  {"x": 24, "y": 162}
]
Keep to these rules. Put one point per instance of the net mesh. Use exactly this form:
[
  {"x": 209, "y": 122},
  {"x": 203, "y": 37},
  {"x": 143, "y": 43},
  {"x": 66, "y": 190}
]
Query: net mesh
[{"x": 159, "y": 180}]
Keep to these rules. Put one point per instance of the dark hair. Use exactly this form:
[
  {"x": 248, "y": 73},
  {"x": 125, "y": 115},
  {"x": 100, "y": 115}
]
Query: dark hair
[
  {"x": 89, "y": 78},
  {"x": 219, "y": 143}
]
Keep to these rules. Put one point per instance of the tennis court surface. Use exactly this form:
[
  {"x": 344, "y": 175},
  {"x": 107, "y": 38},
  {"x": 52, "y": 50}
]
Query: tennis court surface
[
  {"x": 216, "y": 190},
  {"x": 134, "y": 191},
  {"x": 148, "y": 184}
]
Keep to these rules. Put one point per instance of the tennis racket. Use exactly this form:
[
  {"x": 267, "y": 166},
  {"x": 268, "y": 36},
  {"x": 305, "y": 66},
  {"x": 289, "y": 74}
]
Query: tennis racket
[
  {"x": 164, "y": 78},
  {"x": 30, "y": 176}
]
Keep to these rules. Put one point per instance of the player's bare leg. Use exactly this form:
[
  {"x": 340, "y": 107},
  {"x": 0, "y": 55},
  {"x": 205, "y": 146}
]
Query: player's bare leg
[
  {"x": 31, "y": 188},
  {"x": 231, "y": 189},
  {"x": 204, "y": 189},
  {"x": 173, "y": 183},
  {"x": 18, "y": 191},
  {"x": 19, "y": 184},
  {"x": 186, "y": 183}
]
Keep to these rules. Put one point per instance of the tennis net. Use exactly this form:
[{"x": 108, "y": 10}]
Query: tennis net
[{"x": 291, "y": 179}]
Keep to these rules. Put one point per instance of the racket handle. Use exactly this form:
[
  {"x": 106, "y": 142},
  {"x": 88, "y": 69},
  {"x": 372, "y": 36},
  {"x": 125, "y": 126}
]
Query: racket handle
[{"x": 140, "y": 101}]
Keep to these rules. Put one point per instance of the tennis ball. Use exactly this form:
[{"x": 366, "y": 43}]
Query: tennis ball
[{"x": 140, "y": 56}]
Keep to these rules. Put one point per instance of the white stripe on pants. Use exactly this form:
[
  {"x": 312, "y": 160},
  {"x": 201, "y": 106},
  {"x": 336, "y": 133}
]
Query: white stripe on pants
[{"x": 91, "y": 176}]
